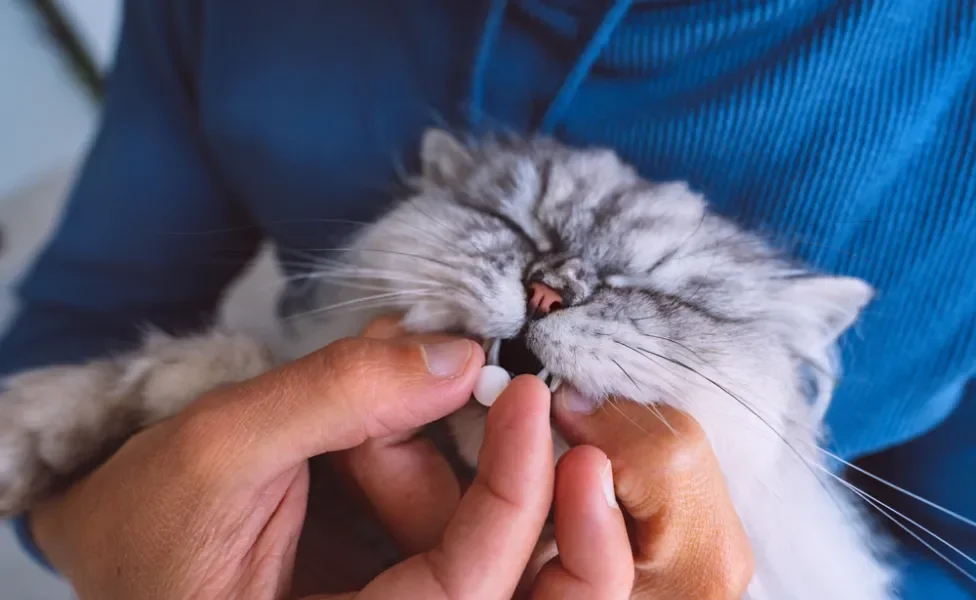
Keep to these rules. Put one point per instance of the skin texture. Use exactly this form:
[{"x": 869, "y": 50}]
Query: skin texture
[
  {"x": 689, "y": 542},
  {"x": 213, "y": 500}
]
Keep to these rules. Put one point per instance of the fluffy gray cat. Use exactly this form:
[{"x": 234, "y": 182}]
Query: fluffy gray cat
[{"x": 654, "y": 298}]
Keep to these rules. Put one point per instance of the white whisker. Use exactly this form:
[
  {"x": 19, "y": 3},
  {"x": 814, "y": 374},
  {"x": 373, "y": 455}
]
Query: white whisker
[
  {"x": 897, "y": 488},
  {"x": 867, "y": 497},
  {"x": 879, "y": 507},
  {"x": 367, "y": 300}
]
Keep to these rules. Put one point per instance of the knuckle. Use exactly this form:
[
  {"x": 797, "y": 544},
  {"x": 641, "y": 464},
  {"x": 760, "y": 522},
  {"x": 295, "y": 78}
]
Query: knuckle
[
  {"x": 732, "y": 570},
  {"x": 356, "y": 362},
  {"x": 383, "y": 327},
  {"x": 343, "y": 353},
  {"x": 739, "y": 573},
  {"x": 687, "y": 452},
  {"x": 344, "y": 365},
  {"x": 434, "y": 563}
]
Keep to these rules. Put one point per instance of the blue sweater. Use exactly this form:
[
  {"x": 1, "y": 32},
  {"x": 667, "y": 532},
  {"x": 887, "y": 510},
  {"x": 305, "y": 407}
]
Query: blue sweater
[{"x": 844, "y": 129}]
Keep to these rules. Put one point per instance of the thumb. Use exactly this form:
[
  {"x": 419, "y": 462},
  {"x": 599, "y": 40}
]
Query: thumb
[
  {"x": 689, "y": 541},
  {"x": 334, "y": 399}
]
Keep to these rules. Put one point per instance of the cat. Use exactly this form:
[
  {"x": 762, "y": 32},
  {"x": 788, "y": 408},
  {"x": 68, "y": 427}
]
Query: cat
[{"x": 657, "y": 299}]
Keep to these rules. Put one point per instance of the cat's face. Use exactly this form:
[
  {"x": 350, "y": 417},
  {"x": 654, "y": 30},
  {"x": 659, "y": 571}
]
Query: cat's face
[{"x": 654, "y": 289}]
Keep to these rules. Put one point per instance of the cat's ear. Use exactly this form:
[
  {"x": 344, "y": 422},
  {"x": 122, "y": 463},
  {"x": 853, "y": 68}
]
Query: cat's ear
[
  {"x": 826, "y": 306},
  {"x": 443, "y": 157}
]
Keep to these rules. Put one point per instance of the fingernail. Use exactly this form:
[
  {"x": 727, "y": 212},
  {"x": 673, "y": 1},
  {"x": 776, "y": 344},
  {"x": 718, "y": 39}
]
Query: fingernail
[
  {"x": 574, "y": 401},
  {"x": 447, "y": 359},
  {"x": 606, "y": 478}
]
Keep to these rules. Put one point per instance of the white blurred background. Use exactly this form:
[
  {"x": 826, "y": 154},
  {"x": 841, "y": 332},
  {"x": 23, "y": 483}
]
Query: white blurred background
[{"x": 47, "y": 117}]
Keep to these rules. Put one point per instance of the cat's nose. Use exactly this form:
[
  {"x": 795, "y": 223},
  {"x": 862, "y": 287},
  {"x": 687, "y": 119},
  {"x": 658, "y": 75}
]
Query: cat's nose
[{"x": 543, "y": 299}]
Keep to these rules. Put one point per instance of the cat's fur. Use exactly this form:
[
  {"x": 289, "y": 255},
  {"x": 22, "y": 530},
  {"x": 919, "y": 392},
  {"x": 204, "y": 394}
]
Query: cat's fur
[{"x": 666, "y": 302}]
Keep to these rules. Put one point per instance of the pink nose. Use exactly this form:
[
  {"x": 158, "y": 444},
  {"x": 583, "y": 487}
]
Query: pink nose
[{"x": 544, "y": 299}]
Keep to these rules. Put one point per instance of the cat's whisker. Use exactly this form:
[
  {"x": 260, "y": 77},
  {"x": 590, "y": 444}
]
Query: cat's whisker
[
  {"x": 380, "y": 278},
  {"x": 895, "y": 511},
  {"x": 425, "y": 232},
  {"x": 345, "y": 283},
  {"x": 387, "y": 297},
  {"x": 416, "y": 206},
  {"x": 635, "y": 423},
  {"x": 377, "y": 305},
  {"x": 387, "y": 251},
  {"x": 449, "y": 274},
  {"x": 889, "y": 512},
  {"x": 756, "y": 413},
  {"x": 332, "y": 265},
  {"x": 339, "y": 270},
  {"x": 651, "y": 407},
  {"x": 676, "y": 343},
  {"x": 915, "y": 535},
  {"x": 897, "y": 488},
  {"x": 652, "y": 359},
  {"x": 877, "y": 504},
  {"x": 266, "y": 224}
]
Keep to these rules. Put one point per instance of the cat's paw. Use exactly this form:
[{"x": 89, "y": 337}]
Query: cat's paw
[
  {"x": 56, "y": 420},
  {"x": 52, "y": 420}
]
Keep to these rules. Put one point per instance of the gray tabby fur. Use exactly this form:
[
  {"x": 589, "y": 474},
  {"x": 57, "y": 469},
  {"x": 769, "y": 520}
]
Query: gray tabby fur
[{"x": 670, "y": 303}]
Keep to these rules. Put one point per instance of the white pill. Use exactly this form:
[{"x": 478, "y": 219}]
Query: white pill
[{"x": 491, "y": 382}]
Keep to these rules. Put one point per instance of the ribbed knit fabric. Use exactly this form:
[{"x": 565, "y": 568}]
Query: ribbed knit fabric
[{"x": 842, "y": 129}]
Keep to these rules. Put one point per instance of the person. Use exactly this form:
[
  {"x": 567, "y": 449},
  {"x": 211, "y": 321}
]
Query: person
[{"x": 842, "y": 129}]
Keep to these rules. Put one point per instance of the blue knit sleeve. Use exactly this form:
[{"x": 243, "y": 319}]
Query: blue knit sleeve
[
  {"x": 939, "y": 467},
  {"x": 149, "y": 235}
]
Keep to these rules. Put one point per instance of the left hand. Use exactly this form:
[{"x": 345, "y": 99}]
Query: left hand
[{"x": 209, "y": 504}]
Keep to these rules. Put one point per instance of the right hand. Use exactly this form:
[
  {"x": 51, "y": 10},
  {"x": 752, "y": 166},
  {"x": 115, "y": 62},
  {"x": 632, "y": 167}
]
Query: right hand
[{"x": 689, "y": 543}]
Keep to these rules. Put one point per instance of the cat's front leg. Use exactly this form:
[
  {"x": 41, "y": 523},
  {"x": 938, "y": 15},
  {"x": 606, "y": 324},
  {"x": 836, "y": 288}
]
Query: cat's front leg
[{"x": 57, "y": 420}]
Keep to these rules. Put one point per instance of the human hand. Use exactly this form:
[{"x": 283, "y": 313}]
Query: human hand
[
  {"x": 689, "y": 542},
  {"x": 210, "y": 503}
]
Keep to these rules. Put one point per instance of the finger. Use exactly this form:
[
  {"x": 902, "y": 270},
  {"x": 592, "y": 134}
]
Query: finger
[
  {"x": 595, "y": 560},
  {"x": 410, "y": 486},
  {"x": 487, "y": 543},
  {"x": 387, "y": 328},
  {"x": 384, "y": 328},
  {"x": 333, "y": 399},
  {"x": 690, "y": 541},
  {"x": 407, "y": 481}
]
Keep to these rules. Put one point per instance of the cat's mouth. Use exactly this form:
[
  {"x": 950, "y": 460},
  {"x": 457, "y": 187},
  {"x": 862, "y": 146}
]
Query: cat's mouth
[{"x": 515, "y": 357}]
